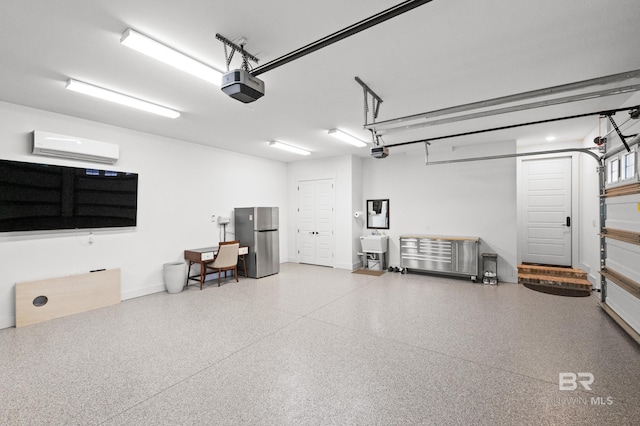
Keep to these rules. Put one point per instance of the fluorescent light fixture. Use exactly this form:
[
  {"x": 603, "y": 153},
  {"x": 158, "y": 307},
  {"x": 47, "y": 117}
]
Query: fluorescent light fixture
[
  {"x": 290, "y": 148},
  {"x": 119, "y": 98},
  {"x": 550, "y": 138},
  {"x": 345, "y": 137},
  {"x": 166, "y": 54}
]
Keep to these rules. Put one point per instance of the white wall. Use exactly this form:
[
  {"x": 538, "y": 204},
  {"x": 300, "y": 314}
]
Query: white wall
[
  {"x": 357, "y": 204},
  {"x": 474, "y": 199},
  {"x": 588, "y": 186},
  {"x": 180, "y": 186}
]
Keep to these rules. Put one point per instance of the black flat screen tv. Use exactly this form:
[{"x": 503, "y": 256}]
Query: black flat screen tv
[{"x": 47, "y": 197}]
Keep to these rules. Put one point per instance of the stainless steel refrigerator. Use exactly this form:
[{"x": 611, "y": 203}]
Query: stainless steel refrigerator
[{"x": 257, "y": 228}]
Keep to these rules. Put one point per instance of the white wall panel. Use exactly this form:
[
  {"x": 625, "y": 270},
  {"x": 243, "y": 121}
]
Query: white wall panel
[
  {"x": 589, "y": 207},
  {"x": 474, "y": 199},
  {"x": 181, "y": 185}
]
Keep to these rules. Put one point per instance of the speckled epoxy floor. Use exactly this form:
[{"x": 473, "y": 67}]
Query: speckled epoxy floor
[{"x": 322, "y": 346}]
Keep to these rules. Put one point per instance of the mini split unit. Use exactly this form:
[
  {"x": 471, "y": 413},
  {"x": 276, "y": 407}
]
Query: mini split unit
[{"x": 71, "y": 147}]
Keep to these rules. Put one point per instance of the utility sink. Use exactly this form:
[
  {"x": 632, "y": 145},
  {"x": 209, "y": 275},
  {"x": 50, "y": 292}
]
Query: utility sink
[{"x": 374, "y": 243}]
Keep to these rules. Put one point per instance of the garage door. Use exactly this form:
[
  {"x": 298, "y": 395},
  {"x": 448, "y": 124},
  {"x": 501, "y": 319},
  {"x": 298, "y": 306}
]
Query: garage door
[{"x": 620, "y": 207}]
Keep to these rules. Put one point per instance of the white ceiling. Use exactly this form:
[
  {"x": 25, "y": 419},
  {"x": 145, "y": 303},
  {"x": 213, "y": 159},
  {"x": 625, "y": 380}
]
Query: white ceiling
[{"x": 441, "y": 54}]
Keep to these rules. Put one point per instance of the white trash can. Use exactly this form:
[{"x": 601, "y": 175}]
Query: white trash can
[{"x": 174, "y": 276}]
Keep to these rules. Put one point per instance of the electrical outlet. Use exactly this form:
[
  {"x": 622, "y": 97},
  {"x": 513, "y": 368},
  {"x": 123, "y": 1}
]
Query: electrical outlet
[{"x": 213, "y": 218}]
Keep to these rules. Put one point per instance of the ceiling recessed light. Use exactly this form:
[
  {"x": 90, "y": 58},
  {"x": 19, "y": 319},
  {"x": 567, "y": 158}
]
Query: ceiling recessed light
[
  {"x": 290, "y": 148},
  {"x": 119, "y": 98},
  {"x": 550, "y": 138},
  {"x": 170, "y": 56},
  {"x": 345, "y": 137}
]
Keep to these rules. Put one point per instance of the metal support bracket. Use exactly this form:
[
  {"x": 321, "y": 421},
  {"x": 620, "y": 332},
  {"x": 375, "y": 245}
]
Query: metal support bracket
[
  {"x": 620, "y": 135},
  {"x": 246, "y": 56},
  {"x": 494, "y": 129},
  {"x": 375, "y": 102}
]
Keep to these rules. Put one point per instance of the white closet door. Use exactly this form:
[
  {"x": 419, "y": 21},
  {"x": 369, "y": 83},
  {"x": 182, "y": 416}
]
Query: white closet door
[{"x": 315, "y": 222}]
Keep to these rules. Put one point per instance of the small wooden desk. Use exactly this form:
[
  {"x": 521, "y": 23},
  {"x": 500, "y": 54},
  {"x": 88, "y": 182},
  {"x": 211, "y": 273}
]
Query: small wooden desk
[{"x": 205, "y": 255}]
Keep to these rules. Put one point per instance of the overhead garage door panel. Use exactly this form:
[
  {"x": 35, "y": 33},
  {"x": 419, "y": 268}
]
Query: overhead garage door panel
[
  {"x": 623, "y": 258},
  {"x": 623, "y": 213},
  {"x": 627, "y": 307},
  {"x": 621, "y": 242}
]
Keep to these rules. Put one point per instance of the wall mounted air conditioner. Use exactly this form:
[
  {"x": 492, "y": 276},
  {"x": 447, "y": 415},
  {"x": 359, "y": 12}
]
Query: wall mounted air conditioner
[{"x": 62, "y": 146}]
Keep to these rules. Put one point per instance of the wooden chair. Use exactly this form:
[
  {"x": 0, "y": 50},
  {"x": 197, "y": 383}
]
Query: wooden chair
[{"x": 226, "y": 259}]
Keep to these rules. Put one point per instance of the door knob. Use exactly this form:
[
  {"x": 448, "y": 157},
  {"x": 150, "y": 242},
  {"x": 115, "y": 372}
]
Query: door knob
[{"x": 568, "y": 221}]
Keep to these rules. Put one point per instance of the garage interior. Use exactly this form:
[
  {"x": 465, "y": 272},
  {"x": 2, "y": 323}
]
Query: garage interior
[{"x": 510, "y": 124}]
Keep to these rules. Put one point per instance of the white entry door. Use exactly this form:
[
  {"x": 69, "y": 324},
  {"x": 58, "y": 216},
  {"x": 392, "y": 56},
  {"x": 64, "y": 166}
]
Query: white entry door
[
  {"x": 546, "y": 215},
  {"x": 315, "y": 222}
]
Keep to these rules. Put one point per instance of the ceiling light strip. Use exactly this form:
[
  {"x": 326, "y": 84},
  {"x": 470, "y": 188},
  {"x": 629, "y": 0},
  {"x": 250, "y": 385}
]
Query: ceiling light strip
[
  {"x": 505, "y": 110},
  {"x": 613, "y": 78},
  {"x": 119, "y": 98},
  {"x": 163, "y": 53},
  {"x": 345, "y": 137},
  {"x": 290, "y": 148}
]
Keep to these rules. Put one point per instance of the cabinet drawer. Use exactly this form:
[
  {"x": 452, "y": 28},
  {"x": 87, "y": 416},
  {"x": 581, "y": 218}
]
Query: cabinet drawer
[
  {"x": 436, "y": 249},
  {"x": 426, "y": 254},
  {"x": 408, "y": 247}
]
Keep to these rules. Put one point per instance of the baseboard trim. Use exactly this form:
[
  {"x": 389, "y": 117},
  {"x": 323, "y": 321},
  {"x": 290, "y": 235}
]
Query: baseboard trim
[
  {"x": 347, "y": 266},
  {"x": 7, "y": 321},
  {"x": 139, "y": 292}
]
